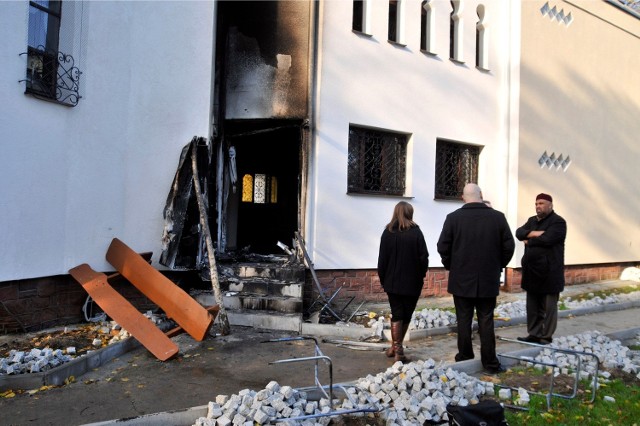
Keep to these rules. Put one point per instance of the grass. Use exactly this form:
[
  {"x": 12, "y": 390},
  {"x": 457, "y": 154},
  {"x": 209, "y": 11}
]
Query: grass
[{"x": 625, "y": 410}]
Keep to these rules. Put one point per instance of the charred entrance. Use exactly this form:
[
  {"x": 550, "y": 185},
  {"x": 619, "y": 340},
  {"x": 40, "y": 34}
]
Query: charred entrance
[{"x": 263, "y": 209}]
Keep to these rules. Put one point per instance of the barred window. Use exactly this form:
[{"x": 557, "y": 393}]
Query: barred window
[
  {"x": 376, "y": 161},
  {"x": 44, "y": 33},
  {"x": 456, "y": 165},
  {"x": 55, "y": 32}
]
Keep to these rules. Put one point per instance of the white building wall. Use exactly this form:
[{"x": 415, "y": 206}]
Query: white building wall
[
  {"x": 74, "y": 178},
  {"x": 581, "y": 99},
  {"x": 371, "y": 82}
]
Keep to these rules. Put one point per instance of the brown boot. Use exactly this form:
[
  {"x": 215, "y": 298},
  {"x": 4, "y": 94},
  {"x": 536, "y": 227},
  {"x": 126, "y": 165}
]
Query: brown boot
[
  {"x": 396, "y": 338},
  {"x": 391, "y": 351}
]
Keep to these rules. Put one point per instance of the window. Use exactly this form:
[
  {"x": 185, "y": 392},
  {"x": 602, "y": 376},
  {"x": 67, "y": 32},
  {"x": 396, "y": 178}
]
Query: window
[
  {"x": 358, "y": 18},
  {"x": 259, "y": 189},
  {"x": 393, "y": 21},
  {"x": 455, "y": 31},
  {"x": 52, "y": 73},
  {"x": 482, "y": 61},
  {"x": 361, "y": 20},
  {"x": 44, "y": 33},
  {"x": 376, "y": 161},
  {"x": 456, "y": 165},
  {"x": 427, "y": 33}
]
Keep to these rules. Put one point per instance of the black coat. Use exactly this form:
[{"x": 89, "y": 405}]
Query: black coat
[
  {"x": 403, "y": 261},
  {"x": 475, "y": 244},
  {"x": 543, "y": 259}
]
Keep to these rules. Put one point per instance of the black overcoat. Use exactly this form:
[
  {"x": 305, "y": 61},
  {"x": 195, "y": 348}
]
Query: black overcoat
[
  {"x": 403, "y": 261},
  {"x": 543, "y": 259},
  {"x": 474, "y": 245}
]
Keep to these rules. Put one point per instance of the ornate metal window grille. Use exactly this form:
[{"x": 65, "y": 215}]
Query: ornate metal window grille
[
  {"x": 52, "y": 75},
  {"x": 376, "y": 162},
  {"x": 456, "y": 165}
]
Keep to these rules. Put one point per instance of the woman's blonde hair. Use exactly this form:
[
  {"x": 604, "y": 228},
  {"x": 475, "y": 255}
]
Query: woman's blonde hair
[{"x": 402, "y": 218}]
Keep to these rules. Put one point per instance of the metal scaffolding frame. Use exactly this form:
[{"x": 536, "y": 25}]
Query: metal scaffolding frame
[
  {"x": 550, "y": 393},
  {"x": 326, "y": 390}
]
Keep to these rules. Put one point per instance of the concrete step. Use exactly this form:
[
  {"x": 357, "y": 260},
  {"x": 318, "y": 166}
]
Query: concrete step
[
  {"x": 273, "y": 313},
  {"x": 286, "y": 272},
  {"x": 262, "y": 287},
  {"x": 261, "y": 294}
]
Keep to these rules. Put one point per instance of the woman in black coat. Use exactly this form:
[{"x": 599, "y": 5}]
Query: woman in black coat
[{"x": 403, "y": 261}]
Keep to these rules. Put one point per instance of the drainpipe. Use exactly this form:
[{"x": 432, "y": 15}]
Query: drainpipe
[{"x": 309, "y": 127}]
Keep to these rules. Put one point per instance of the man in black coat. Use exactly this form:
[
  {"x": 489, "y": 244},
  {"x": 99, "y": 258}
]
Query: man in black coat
[
  {"x": 475, "y": 244},
  {"x": 542, "y": 269}
]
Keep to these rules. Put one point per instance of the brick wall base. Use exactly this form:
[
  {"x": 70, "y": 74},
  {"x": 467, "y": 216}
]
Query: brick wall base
[
  {"x": 40, "y": 303},
  {"x": 365, "y": 284}
]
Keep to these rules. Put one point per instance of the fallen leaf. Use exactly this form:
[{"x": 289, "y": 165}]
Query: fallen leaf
[{"x": 125, "y": 379}]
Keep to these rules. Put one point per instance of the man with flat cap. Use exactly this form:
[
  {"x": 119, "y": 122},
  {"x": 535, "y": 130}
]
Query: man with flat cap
[{"x": 542, "y": 269}]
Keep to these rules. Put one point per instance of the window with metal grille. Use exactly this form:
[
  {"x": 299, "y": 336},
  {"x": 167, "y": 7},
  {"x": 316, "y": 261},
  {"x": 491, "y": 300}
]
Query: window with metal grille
[
  {"x": 52, "y": 74},
  {"x": 44, "y": 33},
  {"x": 456, "y": 165},
  {"x": 376, "y": 161}
]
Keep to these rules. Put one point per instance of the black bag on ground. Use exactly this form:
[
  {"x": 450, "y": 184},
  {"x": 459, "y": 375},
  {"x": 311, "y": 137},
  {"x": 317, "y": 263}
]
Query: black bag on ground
[{"x": 484, "y": 413}]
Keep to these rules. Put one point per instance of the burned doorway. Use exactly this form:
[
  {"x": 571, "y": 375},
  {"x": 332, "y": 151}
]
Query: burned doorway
[{"x": 264, "y": 208}]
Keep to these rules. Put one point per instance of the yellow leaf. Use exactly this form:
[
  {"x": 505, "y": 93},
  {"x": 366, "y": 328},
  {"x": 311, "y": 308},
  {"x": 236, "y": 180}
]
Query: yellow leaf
[
  {"x": 125, "y": 379},
  {"x": 8, "y": 394},
  {"x": 140, "y": 386}
]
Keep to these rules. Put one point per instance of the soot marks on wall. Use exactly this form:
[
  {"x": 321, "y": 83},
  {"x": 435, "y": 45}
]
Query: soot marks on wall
[{"x": 266, "y": 59}]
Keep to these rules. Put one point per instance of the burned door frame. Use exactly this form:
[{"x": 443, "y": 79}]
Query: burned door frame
[{"x": 228, "y": 177}]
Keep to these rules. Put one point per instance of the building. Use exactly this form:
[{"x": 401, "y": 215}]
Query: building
[{"x": 334, "y": 110}]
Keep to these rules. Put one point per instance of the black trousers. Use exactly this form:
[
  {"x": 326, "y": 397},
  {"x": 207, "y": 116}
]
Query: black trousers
[
  {"x": 484, "y": 307},
  {"x": 542, "y": 315},
  {"x": 402, "y": 307}
]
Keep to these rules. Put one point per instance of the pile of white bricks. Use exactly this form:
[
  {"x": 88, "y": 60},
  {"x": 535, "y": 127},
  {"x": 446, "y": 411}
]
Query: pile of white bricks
[
  {"x": 38, "y": 360},
  {"x": 432, "y": 318},
  {"x": 612, "y": 354},
  {"x": 518, "y": 308},
  {"x": 405, "y": 394},
  {"x": 418, "y": 392},
  {"x": 35, "y": 360}
]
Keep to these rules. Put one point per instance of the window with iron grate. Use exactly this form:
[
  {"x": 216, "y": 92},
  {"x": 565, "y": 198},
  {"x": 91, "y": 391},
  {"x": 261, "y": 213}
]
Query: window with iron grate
[
  {"x": 44, "y": 33},
  {"x": 376, "y": 161},
  {"x": 456, "y": 165},
  {"x": 55, "y": 44}
]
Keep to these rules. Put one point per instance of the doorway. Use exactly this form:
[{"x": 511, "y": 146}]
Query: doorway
[{"x": 263, "y": 209}]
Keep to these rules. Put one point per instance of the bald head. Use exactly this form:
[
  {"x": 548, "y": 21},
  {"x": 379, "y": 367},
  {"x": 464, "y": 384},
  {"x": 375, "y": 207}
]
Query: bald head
[{"x": 471, "y": 193}]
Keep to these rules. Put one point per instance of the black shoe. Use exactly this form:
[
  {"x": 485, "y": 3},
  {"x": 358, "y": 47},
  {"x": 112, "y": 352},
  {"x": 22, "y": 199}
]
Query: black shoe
[
  {"x": 545, "y": 341},
  {"x": 529, "y": 339},
  {"x": 494, "y": 371},
  {"x": 460, "y": 358}
]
